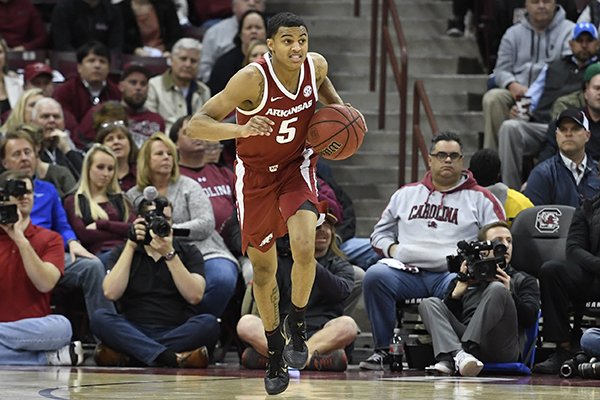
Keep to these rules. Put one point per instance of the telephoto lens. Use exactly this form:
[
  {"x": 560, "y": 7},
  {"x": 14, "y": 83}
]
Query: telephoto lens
[
  {"x": 589, "y": 370},
  {"x": 570, "y": 367}
]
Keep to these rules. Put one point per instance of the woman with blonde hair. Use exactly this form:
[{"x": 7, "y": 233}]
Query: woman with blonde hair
[
  {"x": 157, "y": 165},
  {"x": 21, "y": 112},
  {"x": 99, "y": 211},
  {"x": 11, "y": 84}
]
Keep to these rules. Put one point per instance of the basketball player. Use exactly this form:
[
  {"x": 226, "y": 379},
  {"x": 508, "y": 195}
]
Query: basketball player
[{"x": 275, "y": 176}]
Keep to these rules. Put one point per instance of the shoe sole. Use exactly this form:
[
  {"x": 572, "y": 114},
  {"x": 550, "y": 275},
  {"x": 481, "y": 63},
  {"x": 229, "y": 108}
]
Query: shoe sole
[
  {"x": 471, "y": 368},
  {"x": 78, "y": 351},
  {"x": 370, "y": 367}
]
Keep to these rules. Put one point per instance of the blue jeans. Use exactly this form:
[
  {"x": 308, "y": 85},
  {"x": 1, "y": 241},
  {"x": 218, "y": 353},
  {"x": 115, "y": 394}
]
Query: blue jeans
[
  {"x": 25, "y": 342},
  {"x": 146, "y": 342},
  {"x": 590, "y": 342},
  {"x": 221, "y": 276},
  {"x": 359, "y": 252},
  {"x": 384, "y": 286},
  {"x": 87, "y": 274}
]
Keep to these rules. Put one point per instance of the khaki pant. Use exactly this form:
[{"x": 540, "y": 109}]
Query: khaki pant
[{"x": 496, "y": 108}]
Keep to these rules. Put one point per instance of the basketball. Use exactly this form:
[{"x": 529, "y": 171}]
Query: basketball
[{"x": 336, "y": 131}]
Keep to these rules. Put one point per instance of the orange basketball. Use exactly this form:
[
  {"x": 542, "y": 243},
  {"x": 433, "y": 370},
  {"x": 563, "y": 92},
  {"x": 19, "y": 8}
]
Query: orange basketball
[{"x": 336, "y": 131}]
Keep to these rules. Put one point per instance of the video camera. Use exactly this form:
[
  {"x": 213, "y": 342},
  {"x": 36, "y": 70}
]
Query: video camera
[
  {"x": 479, "y": 268},
  {"x": 8, "y": 212}
]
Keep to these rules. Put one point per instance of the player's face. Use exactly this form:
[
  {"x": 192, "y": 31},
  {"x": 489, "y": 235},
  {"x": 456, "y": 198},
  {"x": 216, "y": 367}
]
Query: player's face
[
  {"x": 134, "y": 89},
  {"x": 117, "y": 141},
  {"x": 102, "y": 170},
  {"x": 161, "y": 158},
  {"x": 289, "y": 46}
]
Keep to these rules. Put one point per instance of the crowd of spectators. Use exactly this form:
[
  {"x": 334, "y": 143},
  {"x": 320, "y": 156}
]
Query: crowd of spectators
[{"x": 90, "y": 145}]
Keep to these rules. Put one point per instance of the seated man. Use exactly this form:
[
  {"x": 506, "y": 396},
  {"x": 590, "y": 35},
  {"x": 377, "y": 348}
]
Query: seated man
[
  {"x": 91, "y": 84},
  {"x": 328, "y": 330},
  {"x": 524, "y": 135},
  {"x": 32, "y": 260},
  {"x": 82, "y": 269},
  {"x": 570, "y": 282},
  {"x": 155, "y": 279},
  {"x": 570, "y": 176},
  {"x": 479, "y": 319},
  {"x": 176, "y": 92},
  {"x": 417, "y": 230},
  {"x": 56, "y": 146}
]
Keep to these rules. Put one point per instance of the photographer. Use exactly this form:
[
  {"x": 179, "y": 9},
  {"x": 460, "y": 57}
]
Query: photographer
[
  {"x": 482, "y": 320},
  {"x": 32, "y": 261},
  {"x": 155, "y": 278}
]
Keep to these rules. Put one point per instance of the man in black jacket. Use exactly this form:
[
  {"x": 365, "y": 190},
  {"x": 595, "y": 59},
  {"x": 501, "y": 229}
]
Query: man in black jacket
[
  {"x": 574, "y": 281},
  {"x": 328, "y": 330},
  {"x": 480, "y": 320}
]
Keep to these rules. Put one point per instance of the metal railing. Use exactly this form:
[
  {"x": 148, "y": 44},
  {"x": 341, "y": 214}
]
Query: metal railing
[
  {"x": 399, "y": 69},
  {"x": 418, "y": 141}
]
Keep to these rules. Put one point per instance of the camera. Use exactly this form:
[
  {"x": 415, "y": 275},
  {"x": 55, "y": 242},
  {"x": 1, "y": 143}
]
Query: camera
[
  {"x": 570, "y": 368},
  {"x": 8, "y": 212},
  {"x": 155, "y": 219},
  {"x": 479, "y": 268}
]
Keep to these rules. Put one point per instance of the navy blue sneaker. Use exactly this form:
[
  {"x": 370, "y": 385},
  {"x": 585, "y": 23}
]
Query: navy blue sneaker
[
  {"x": 278, "y": 378},
  {"x": 295, "y": 352}
]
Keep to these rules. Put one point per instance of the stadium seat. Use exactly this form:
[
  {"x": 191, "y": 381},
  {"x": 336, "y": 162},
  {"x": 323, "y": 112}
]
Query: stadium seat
[{"x": 540, "y": 234}]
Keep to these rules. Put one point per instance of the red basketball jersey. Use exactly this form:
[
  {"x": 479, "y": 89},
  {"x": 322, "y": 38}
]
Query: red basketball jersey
[{"x": 291, "y": 113}]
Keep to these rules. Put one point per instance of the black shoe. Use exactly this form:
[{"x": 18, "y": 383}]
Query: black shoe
[
  {"x": 278, "y": 378},
  {"x": 552, "y": 365},
  {"x": 456, "y": 28},
  {"x": 295, "y": 352}
]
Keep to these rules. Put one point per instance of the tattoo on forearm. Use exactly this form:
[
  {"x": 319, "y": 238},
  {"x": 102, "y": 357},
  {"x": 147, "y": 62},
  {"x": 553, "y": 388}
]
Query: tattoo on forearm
[{"x": 260, "y": 93}]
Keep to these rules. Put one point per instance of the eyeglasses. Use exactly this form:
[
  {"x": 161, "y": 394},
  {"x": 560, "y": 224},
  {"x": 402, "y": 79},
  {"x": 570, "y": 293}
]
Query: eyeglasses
[
  {"x": 442, "y": 156},
  {"x": 212, "y": 148},
  {"x": 113, "y": 124}
]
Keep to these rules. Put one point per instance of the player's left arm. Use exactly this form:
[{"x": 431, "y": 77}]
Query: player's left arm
[{"x": 327, "y": 92}]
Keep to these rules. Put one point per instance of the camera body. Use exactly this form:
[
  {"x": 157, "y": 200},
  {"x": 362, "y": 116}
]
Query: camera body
[
  {"x": 580, "y": 365},
  {"x": 8, "y": 212},
  {"x": 155, "y": 218},
  {"x": 479, "y": 268}
]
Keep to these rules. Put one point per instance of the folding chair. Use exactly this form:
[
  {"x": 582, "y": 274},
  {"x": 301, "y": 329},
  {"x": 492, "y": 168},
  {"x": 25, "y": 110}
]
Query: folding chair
[{"x": 528, "y": 356}]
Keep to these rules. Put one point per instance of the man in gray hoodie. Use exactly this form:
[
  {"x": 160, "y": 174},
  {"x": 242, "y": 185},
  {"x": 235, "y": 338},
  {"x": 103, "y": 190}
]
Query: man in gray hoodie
[{"x": 541, "y": 37}]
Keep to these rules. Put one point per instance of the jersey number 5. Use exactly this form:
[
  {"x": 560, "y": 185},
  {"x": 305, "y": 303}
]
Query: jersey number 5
[{"x": 286, "y": 132}]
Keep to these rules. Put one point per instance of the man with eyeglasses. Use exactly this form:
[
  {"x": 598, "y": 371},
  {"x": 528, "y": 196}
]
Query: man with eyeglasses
[
  {"x": 570, "y": 176},
  {"x": 32, "y": 263},
  {"x": 420, "y": 226},
  {"x": 82, "y": 269}
]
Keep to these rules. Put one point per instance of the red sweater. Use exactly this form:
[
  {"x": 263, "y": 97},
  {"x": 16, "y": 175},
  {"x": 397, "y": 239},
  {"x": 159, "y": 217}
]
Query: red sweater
[
  {"x": 75, "y": 98},
  {"x": 21, "y": 25},
  {"x": 108, "y": 233}
]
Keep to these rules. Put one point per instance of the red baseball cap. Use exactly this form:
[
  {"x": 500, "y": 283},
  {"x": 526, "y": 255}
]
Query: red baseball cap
[{"x": 34, "y": 70}]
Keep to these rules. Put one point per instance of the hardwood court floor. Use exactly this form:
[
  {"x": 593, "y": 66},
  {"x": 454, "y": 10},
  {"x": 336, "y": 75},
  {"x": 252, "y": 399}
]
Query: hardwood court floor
[{"x": 232, "y": 382}]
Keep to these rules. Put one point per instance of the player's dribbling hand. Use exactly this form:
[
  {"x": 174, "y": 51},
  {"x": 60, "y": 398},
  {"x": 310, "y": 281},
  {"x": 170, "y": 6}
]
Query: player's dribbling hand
[
  {"x": 257, "y": 126},
  {"x": 361, "y": 115}
]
